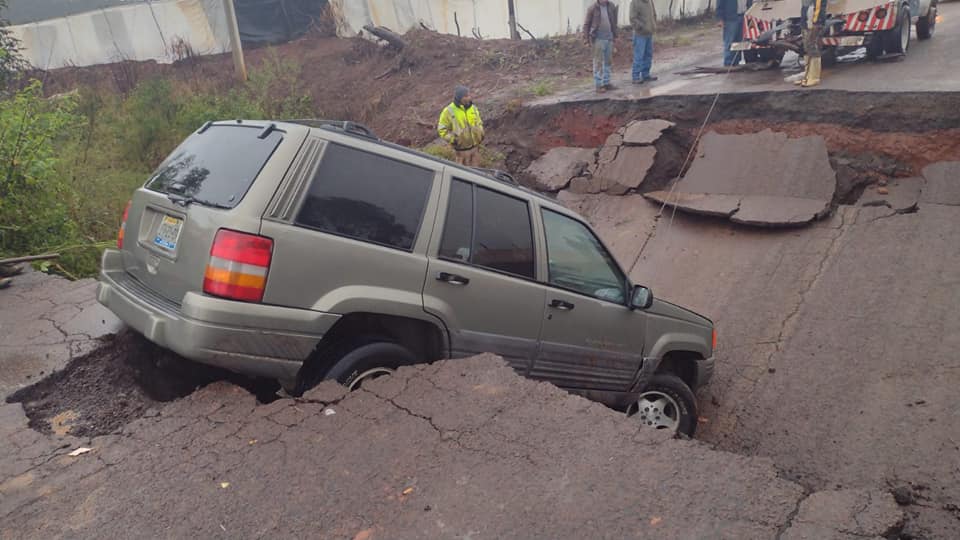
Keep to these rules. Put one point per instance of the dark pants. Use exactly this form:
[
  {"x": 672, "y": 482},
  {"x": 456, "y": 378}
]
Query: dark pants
[
  {"x": 732, "y": 33},
  {"x": 642, "y": 56}
]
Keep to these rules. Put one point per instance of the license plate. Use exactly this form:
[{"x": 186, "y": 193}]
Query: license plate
[
  {"x": 851, "y": 41},
  {"x": 168, "y": 233},
  {"x": 741, "y": 46}
]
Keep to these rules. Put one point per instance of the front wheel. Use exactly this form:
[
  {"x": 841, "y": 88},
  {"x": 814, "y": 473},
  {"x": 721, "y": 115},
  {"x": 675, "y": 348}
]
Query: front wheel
[
  {"x": 927, "y": 24},
  {"x": 666, "y": 403}
]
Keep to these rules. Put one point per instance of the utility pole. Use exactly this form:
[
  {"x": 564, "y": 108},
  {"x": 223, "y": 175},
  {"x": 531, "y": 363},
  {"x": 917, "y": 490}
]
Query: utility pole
[
  {"x": 235, "y": 46},
  {"x": 513, "y": 20}
]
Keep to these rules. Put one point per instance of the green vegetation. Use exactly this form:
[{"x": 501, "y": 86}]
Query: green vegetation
[
  {"x": 541, "y": 88},
  {"x": 489, "y": 158},
  {"x": 69, "y": 163}
]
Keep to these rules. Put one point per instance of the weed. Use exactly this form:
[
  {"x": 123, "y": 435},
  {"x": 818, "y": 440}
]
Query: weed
[{"x": 541, "y": 88}]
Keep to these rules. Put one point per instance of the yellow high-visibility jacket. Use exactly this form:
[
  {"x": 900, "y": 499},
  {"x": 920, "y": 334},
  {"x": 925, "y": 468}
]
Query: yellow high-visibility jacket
[{"x": 461, "y": 127}]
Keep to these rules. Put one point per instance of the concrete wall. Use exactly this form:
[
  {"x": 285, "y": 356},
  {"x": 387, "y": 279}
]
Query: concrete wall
[
  {"x": 541, "y": 17},
  {"x": 152, "y": 31}
]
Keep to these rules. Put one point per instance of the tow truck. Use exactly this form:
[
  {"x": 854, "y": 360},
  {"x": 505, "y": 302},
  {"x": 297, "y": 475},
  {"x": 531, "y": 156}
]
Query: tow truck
[{"x": 773, "y": 27}]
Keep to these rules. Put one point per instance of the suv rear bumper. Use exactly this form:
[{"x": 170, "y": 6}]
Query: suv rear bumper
[{"x": 253, "y": 339}]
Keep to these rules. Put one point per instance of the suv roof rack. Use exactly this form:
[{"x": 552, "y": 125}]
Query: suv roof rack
[
  {"x": 341, "y": 125},
  {"x": 497, "y": 174}
]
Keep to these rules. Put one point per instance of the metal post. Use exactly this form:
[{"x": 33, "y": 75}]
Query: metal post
[
  {"x": 514, "y": 34},
  {"x": 235, "y": 46}
]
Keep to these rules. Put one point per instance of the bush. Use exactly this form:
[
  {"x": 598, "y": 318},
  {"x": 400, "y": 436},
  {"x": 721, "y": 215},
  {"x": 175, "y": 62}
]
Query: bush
[
  {"x": 34, "y": 199},
  {"x": 69, "y": 164}
]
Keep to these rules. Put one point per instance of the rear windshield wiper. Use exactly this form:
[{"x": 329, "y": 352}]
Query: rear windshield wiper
[{"x": 185, "y": 200}]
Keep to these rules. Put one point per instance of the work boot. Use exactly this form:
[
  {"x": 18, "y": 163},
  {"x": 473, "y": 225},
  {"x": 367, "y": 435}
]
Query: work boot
[
  {"x": 813, "y": 73},
  {"x": 806, "y": 71}
]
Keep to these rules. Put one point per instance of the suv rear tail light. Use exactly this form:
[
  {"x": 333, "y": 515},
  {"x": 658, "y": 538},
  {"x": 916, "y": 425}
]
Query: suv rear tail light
[
  {"x": 238, "y": 266},
  {"x": 123, "y": 226}
]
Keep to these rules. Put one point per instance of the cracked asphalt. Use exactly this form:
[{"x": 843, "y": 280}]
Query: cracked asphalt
[
  {"x": 459, "y": 449},
  {"x": 837, "y": 341}
]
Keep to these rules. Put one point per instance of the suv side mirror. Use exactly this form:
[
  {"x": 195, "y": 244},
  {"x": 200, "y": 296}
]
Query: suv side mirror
[{"x": 641, "y": 297}]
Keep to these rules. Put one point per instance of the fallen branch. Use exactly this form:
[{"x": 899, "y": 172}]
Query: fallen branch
[
  {"x": 387, "y": 35},
  {"x": 29, "y": 258},
  {"x": 533, "y": 37}
]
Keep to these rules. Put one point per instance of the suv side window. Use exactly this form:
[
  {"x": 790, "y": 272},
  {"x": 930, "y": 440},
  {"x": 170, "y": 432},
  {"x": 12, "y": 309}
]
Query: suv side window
[
  {"x": 489, "y": 229},
  {"x": 577, "y": 261},
  {"x": 368, "y": 197}
]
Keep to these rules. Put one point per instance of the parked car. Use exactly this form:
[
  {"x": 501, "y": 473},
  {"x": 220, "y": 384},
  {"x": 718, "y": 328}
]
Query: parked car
[{"x": 310, "y": 251}]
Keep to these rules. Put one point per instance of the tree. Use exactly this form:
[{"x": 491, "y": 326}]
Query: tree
[{"x": 10, "y": 60}]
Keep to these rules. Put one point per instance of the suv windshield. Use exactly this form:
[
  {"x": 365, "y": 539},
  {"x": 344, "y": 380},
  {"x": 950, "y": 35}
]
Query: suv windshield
[{"x": 215, "y": 167}]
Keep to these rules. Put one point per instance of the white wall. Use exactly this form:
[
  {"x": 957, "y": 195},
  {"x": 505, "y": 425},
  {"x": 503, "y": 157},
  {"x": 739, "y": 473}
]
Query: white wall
[
  {"x": 135, "y": 32},
  {"x": 541, "y": 17}
]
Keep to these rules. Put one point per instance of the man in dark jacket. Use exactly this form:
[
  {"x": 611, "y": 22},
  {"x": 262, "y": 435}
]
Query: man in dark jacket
[
  {"x": 600, "y": 30},
  {"x": 643, "y": 19},
  {"x": 730, "y": 13}
]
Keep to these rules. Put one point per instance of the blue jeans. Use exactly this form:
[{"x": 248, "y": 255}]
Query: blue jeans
[
  {"x": 642, "y": 57},
  {"x": 732, "y": 33},
  {"x": 602, "y": 58}
]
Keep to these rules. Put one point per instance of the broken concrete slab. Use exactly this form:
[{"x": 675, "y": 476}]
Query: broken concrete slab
[
  {"x": 765, "y": 163},
  {"x": 610, "y": 148},
  {"x": 846, "y": 514},
  {"x": 768, "y": 211},
  {"x": 628, "y": 171},
  {"x": 707, "y": 204},
  {"x": 644, "y": 132},
  {"x": 943, "y": 183},
  {"x": 902, "y": 194},
  {"x": 555, "y": 169},
  {"x": 779, "y": 181}
]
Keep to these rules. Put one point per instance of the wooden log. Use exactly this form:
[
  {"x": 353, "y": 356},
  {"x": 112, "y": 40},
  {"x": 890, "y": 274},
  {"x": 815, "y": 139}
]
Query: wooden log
[{"x": 387, "y": 35}]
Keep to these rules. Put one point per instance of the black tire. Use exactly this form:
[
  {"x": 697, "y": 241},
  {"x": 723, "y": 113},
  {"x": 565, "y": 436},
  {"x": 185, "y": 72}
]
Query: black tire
[
  {"x": 928, "y": 24},
  {"x": 893, "y": 39},
  {"x": 366, "y": 358},
  {"x": 678, "y": 391}
]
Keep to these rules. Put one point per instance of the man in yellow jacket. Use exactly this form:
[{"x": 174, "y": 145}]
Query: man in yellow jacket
[{"x": 461, "y": 126}]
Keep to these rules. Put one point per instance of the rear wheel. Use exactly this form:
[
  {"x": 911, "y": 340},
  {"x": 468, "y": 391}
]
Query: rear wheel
[
  {"x": 752, "y": 56},
  {"x": 897, "y": 39},
  {"x": 368, "y": 361},
  {"x": 927, "y": 24},
  {"x": 666, "y": 403}
]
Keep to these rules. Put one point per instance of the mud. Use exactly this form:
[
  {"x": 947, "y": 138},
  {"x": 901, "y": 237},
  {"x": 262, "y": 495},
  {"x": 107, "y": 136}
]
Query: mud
[{"x": 118, "y": 382}]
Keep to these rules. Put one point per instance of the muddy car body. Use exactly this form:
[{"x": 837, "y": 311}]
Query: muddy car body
[
  {"x": 772, "y": 27},
  {"x": 309, "y": 252}
]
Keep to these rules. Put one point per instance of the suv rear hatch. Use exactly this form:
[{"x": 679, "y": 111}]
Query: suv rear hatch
[{"x": 219, "y": 178}]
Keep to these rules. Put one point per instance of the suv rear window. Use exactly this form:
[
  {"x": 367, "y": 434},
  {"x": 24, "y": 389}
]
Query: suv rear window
[
  {"x": 367, "y": 197},
  {"x": 216, "y": 167}
]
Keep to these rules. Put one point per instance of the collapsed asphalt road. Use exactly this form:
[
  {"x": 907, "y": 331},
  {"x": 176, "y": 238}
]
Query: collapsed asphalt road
[{"x": 457, "y": 449}]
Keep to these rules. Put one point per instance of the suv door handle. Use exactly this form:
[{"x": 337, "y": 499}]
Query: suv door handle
[
  {"x": 452, "y": 279},
  {"x": 561, "y": 305}
]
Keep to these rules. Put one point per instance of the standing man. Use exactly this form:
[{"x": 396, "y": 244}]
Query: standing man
[
  {"x": 461, "y": 126},
  {"x": 730, "y": 13},
  {"x": 600, "y": 30},
  {"x": 643, "y": 19},
  {"x": 814, "y": 14}
]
